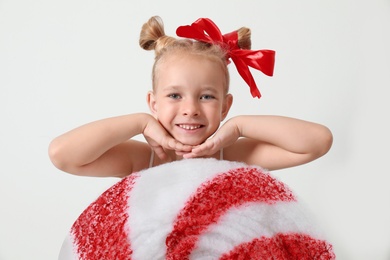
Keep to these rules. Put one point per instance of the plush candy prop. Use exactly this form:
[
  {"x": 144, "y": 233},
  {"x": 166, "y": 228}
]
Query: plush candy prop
[{"x": 196, "y": 209}]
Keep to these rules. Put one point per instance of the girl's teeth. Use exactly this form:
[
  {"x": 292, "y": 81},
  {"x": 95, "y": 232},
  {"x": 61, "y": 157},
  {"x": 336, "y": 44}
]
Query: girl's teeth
[{"x": 189, "y": 127}]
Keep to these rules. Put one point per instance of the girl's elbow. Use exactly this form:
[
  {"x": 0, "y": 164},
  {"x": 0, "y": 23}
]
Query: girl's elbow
[
  {"x": 55, "y": 155},
  {"x": 326, "y": 141}
]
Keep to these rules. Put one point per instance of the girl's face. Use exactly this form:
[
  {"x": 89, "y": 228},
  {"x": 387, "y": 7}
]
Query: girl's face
[{"x": 189, "y": 97}]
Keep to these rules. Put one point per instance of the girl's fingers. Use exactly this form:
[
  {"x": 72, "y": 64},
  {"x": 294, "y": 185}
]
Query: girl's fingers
[
  {"x": 172, "y": 144},
  {"x": 207, "y": 148}
]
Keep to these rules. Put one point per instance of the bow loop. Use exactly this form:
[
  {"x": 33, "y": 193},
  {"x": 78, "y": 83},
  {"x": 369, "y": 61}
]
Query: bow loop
[{"x": 205, "y": 30}]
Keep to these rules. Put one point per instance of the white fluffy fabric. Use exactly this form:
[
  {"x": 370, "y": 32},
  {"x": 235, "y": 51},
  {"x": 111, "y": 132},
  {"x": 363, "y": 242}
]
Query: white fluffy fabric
[{"x": 196, "y": 209}]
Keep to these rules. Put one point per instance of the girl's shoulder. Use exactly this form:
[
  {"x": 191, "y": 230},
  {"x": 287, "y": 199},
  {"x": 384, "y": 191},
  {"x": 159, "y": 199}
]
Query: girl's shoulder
[
  {"x": 136, "y": 153},
  {"x": 237, "y": 151},
  {"x": 246, "y": 150}
]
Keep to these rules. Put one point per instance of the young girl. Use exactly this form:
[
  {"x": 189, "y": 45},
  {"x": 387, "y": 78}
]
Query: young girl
[{"x": 189, "y": 100}]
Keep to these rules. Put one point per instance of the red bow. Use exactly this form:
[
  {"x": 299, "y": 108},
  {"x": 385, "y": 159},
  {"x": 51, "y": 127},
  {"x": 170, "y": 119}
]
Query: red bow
[{"x": 205, "y": 30}]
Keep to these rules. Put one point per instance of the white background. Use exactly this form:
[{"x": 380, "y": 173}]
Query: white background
[{"x": 65, "y": 63}]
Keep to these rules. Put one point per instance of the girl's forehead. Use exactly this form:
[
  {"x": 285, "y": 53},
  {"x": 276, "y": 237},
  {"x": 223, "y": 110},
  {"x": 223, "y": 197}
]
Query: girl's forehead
[{"x": 200, "y": 88}]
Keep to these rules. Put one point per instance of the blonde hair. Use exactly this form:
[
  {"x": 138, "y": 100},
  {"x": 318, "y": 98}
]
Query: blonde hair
[{"x": 152, "y": 37}]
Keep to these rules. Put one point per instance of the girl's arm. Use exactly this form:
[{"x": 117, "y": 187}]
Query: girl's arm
[
  {"x": 104, "y": 148},
  {"x": 273, "y": 142}
]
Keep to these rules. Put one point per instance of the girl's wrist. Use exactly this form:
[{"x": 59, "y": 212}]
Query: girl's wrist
[
  {"x": 236, "y": 124},
  {"x": 142, "y": 120}
]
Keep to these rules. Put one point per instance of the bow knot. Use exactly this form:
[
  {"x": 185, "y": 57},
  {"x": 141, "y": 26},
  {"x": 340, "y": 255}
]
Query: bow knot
[{"x": 205, "y": 30}]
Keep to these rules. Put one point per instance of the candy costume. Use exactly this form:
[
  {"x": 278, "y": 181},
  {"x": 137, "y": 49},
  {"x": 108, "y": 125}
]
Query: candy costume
[{"x": 196, "y": 209}]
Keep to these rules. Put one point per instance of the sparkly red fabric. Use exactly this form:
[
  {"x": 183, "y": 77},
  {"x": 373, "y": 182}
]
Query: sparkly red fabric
[{"x": 101, "y": 232}]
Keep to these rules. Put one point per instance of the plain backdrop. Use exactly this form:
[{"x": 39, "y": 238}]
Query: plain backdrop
[{"x": 66, "y": 63}]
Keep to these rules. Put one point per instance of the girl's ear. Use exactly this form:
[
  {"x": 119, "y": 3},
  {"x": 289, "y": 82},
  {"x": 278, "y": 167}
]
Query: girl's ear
[
  {"x": 151, "y": 100},
  {"x": 226, "y": 106}
]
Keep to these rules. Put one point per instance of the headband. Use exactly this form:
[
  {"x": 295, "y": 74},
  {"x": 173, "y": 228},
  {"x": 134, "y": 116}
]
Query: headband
[{"x": 205, "y": 30}]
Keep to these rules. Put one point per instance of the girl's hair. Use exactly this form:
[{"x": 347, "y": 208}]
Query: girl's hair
[{"x": 152, "y": 37}]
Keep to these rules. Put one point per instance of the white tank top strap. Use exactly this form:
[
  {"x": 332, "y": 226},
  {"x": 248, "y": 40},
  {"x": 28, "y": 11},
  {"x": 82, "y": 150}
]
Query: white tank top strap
[{"x": 151, "y": 159}]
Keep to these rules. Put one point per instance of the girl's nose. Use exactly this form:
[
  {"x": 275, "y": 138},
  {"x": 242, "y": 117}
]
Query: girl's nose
[{"x": 190, "y": 108}]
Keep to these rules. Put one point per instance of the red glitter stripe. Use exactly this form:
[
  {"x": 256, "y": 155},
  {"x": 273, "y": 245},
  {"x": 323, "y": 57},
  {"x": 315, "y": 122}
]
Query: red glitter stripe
[
  {"x": 214, "y": 198},
  {"x": 100, "y": 231},
  {"x": 283, "y": 247}
]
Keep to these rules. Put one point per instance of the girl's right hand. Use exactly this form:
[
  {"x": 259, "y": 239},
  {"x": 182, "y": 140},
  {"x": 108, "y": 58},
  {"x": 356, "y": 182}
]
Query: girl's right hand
[{"x": 160, "y": 140}]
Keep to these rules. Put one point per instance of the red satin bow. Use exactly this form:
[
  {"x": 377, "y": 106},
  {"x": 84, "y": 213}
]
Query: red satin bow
[{"x": 205, "y": 30}]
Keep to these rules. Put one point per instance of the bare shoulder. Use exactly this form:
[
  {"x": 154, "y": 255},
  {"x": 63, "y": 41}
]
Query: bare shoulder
[
  {"x": 133, "y": 156},
  {"x": 242, "y": 150}
]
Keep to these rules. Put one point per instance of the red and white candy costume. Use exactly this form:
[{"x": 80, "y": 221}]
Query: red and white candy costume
[{"x": 196, "y": 209}]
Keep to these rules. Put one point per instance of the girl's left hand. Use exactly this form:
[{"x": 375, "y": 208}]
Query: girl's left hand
[{"x": 225, "y": 136}]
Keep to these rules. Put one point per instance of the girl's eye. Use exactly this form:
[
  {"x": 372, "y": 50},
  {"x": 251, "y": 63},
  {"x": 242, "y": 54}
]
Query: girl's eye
[
  {"x": 207, "y": 97},
  {"x": 174, "y": 96}
]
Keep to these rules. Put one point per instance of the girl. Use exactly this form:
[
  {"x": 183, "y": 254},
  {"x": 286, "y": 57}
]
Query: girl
[{"x": 190, "y": 98}]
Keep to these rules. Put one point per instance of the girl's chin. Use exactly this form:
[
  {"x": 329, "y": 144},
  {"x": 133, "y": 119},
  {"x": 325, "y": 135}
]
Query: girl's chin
[{"x": 190, "y": 142}]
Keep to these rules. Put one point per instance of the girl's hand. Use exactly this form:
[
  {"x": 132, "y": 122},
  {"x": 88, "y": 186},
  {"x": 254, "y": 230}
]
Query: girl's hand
[
  {"x": 225, "y": 136},
  {"x": 160, "y": 140}
]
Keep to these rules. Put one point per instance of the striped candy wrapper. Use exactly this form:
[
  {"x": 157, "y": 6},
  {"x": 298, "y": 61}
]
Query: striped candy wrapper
[{"x": 196, "y": 209}]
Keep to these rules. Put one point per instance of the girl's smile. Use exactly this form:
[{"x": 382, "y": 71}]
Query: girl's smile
[{"x": 189, "y": 127}]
